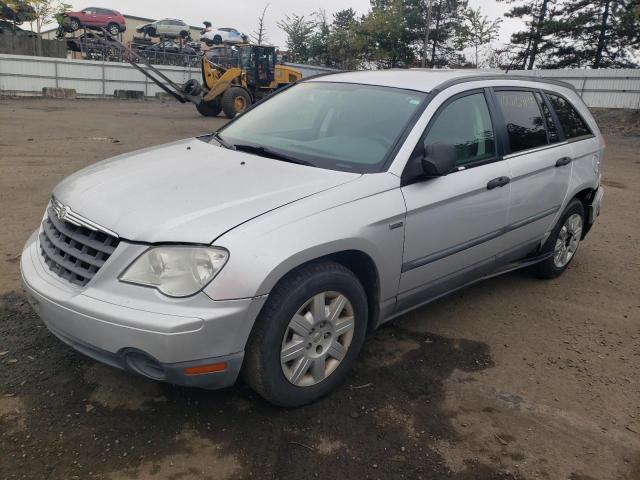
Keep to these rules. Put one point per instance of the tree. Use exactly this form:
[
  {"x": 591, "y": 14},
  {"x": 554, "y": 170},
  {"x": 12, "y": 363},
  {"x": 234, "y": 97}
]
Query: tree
[
  {"x": 446, "y": 15},
  {"x": 319, "y": 41},
  {"x": 46, "y": 11},
  {"x": 530, "y": 43},
  {"x": 17, "y": 11},
  {"x": 597, "y": 34},
  {"x": 387, "y": 33},
  {"x": 346, "y": 44},
  {"x": 477, "y": 30},
  {"x": 299, "y": 30},
  {"x": 260, "y": 34}
]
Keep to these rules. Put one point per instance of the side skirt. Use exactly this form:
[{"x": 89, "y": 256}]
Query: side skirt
[{"x": 506, "y": 269}]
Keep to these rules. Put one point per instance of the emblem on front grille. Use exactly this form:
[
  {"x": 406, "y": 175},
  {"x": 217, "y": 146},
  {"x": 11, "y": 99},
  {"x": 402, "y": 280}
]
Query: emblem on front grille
[
  {"x": 65, "y": 213},
  {"x": 62, "y": 212}
]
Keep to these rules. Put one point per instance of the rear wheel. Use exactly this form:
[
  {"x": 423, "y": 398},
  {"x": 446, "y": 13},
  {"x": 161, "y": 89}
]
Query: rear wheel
[
  {"x": 113, "y": 28},
  {"x": 563, "y": 242},
  {"x": 307, "y": 336},
  {"x": 209, "y": 109},
  {"x": 234, "y": 101}
]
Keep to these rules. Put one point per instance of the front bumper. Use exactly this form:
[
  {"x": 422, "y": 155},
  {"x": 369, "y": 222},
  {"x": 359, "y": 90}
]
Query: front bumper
[{"x": 136, "y": 328}]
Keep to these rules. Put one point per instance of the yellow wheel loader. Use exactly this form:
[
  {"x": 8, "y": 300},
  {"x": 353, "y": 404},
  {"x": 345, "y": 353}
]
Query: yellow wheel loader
[{"x": 234, "y": 77}]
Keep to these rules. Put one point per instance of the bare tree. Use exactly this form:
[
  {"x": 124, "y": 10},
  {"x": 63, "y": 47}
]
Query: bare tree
[
  {"x": 477, "y": 30},
  {"x": 260, "y": 34}
]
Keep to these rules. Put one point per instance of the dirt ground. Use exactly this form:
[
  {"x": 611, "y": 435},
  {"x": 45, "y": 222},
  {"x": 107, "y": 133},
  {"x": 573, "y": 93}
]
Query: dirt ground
[{"x": 515, "y": 378}]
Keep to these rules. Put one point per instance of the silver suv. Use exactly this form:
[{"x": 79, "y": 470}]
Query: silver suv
[{"x": 271, "y": 247}]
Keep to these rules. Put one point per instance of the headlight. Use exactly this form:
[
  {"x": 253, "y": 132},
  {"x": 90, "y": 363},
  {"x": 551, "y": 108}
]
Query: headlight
[{"x": 177, "y": 271}]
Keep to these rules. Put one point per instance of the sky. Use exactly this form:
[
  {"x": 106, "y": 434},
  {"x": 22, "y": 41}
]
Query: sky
[{"x": 243, "y": 15}]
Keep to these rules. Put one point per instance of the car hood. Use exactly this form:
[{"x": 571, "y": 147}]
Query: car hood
[{"x": 188, "y": 191}]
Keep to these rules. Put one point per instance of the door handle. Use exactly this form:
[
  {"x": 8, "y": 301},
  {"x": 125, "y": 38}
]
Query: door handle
[
  {"x": 497, "y": 182},
  {"x": 563, "y": 161}
]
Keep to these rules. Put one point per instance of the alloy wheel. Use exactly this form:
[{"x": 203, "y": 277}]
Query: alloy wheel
[
  {"x": 567, "y": 241},
  {"x": 317, "y": 339}
]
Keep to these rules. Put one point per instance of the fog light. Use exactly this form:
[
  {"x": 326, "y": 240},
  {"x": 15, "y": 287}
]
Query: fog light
[{"x": 202, "y": 369}]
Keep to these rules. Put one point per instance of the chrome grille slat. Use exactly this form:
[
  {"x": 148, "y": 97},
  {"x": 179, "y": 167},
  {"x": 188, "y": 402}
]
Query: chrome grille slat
[
  {"x": 69, "y": 249},
  {"x": 70, "y": 231},
  {"x": 74, "y": 252}
]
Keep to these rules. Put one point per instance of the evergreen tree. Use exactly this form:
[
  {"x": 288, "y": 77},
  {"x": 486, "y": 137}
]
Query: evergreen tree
[
  {"x": 299, "y": 30},
  {"x": 597, "y": 34},
  {"x": 534, "y": 41},
  {"x": 388, "y": 37},
  {"x": 446, "y": 16}
]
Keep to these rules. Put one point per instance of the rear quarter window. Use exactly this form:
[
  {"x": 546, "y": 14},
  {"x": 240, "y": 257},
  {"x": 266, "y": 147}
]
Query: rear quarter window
[{"x": 570, "y": 120}]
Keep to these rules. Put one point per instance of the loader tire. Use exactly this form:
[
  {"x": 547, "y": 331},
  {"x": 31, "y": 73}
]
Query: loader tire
[
  {"x": 234, "y": 101},
  {"x": 209, "y": 109}
]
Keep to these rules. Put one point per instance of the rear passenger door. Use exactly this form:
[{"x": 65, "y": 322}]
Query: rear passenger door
[{"x": 539, "y": 159}]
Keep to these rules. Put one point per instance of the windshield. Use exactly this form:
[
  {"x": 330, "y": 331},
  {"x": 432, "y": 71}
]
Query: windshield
[{"x": 338, "y": 126}]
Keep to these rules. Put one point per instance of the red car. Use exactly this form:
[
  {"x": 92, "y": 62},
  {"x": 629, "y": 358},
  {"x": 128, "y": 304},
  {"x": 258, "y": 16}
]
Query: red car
[{"x": 94, "y": 18}]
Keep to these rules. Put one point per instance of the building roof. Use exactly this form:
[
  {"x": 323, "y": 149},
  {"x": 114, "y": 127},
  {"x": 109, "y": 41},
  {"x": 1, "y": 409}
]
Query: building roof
[{"x": 424, "y": 80}]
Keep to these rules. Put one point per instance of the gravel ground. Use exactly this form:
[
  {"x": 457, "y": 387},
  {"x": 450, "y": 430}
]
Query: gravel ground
[{"x": 515, "y": 378}]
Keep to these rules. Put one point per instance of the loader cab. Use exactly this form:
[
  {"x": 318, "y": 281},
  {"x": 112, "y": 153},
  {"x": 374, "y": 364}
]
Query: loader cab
[{"x": 259, "y": 63}]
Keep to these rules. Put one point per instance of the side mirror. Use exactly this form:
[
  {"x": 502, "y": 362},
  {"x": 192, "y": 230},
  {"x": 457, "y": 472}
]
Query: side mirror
[{"x": 439, "y": 159}]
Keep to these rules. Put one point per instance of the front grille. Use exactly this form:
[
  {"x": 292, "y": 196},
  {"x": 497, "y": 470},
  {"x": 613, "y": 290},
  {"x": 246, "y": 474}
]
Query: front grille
[{"x": 74, "y": 252}]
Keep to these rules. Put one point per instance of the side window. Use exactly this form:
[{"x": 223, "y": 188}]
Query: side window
[
  {"x": 465, "y": 123},
  {"x": 570, "y": 120},
  {"x": 552, "y": 129},
  {"x": 525, "y": 126}
]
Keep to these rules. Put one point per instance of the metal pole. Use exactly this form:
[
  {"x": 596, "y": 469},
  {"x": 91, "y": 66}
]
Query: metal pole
[{"x": 425, "y": 48}]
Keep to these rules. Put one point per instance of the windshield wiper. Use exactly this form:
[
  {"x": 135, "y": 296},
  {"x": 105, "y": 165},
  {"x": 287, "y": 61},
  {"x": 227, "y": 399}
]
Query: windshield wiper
[
  {"x": 216, "y": 136},
  {"x": 265, "y": 152}
]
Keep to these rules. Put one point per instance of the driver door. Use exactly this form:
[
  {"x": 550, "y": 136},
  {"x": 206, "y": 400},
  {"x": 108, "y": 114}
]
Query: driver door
[{"x": 455, "y": 223}]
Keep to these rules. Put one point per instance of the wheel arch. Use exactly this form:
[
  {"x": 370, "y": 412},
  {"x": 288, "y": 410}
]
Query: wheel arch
[{"x": 357, "y": 261}]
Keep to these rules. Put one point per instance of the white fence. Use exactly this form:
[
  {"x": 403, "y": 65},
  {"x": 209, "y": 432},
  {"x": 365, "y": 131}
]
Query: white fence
[
  {"x": 25, "y": 75},
  {"x": 607, "y": 88}
]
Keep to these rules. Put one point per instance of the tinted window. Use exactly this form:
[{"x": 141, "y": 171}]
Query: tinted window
[
  {"x": 523, "y": 118},
  {"x": 466, "y": 124},
  {"x": 572, "y": 123},
  {"x": 552, "y": 129}
]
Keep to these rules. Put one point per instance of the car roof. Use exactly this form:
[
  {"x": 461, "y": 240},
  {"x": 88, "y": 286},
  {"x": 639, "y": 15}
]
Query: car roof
[{"x": 425, "y": 80}]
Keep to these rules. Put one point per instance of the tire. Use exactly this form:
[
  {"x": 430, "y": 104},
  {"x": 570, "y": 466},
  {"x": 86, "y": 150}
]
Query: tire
[
  {"x": 209, "y": 43},
  {"x": 209, "y": 109},
  {"x": 217, "y": 40},
  {"x": 234, "y": 101},
  {"x": 281, "y": 383},
  {"x": 184, "y": 34},
  {"x": 568, "y": 230},
  {"x": 113, "y": 29},
  {"x": 74, "y": 24},
  {"x": 151, "y": 31}
]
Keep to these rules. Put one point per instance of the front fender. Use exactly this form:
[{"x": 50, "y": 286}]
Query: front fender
[{"x": 265, "y": 249}]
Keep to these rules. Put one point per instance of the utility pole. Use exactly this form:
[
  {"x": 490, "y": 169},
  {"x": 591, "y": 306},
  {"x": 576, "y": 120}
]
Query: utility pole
[{"x": 425, "y": 47}]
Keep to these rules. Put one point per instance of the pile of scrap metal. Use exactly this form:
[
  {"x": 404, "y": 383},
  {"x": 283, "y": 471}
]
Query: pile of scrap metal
[{"x": 17, "y": 11}]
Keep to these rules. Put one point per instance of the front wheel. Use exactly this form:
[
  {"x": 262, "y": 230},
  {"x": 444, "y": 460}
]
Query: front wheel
[
  {"x": 563, "y": 242},
  {"x": 74, "y": 24},
  {"x": 307, "y": 336},
  {"x": 234, "y": 101}
]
